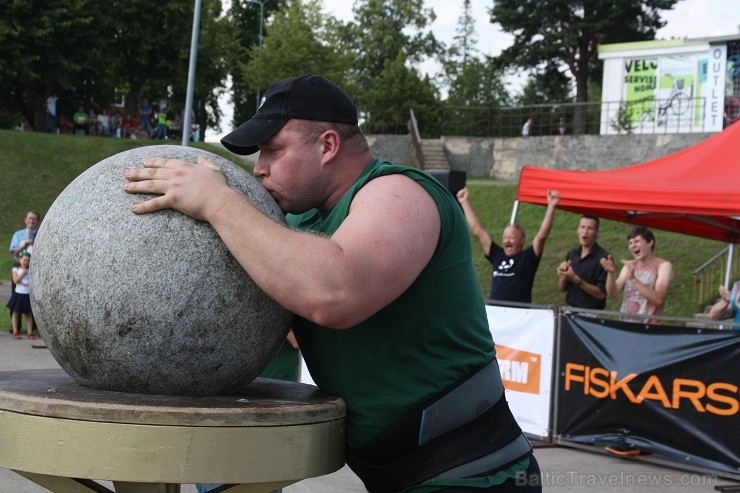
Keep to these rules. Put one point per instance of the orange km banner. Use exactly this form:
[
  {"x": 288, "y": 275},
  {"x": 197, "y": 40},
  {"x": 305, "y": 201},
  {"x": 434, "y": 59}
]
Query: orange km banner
[{"x": 520, "y": 370}]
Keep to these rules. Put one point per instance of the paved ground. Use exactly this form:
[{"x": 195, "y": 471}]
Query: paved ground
[{"x": 564, "y": 469}]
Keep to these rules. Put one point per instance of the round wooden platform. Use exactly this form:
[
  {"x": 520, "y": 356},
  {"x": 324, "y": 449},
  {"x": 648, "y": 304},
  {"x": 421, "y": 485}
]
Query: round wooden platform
[{"x": 274, "y": 432}]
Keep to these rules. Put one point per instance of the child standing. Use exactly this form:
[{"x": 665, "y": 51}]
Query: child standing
[{"x": 22, "y": 299}]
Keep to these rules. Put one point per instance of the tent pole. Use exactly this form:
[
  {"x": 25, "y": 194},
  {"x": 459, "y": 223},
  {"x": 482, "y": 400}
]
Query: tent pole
[
  {"x": 728, "y": 269},
  {"x": 513, "y": 212}
]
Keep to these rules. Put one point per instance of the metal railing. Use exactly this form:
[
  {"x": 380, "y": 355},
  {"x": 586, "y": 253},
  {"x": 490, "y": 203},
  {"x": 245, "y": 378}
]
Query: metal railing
[
  {"x": 711, "y": 274},
  {"x": 677, "y": 114},
  {"x": 416, "y": 140}
]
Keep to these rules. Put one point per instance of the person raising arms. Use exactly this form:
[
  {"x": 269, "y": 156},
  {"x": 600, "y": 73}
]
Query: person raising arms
[{"x": 514, "y": 267}]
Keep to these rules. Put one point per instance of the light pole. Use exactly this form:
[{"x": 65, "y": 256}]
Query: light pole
[
  {"x": 186, "y": 120},
  {"x": 261, "y": 3}
]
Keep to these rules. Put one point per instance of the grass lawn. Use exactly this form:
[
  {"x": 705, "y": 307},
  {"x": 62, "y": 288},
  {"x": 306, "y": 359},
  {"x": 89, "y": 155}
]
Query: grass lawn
[{"x": 36, "y": 167}]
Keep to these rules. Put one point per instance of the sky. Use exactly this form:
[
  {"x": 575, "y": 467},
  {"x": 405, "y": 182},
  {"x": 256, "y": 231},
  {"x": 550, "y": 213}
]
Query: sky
[{"x": 689, "y": 18}]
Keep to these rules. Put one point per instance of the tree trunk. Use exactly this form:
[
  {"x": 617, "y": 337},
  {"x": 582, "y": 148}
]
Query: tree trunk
[
  {"x": 131, "y": 106},
  {"x": 580, "y": 112}
]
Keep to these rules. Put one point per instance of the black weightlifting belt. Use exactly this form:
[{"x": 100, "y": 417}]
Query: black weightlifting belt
[{"x": 466, "y": 431}]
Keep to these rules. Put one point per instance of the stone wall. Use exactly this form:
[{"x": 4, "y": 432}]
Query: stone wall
[
  {"x": 503, "y": 158},
  {"x": 474, "y": 155},
  {"x": 395, "y": 148},
  {"x": 583, "y": 152}
]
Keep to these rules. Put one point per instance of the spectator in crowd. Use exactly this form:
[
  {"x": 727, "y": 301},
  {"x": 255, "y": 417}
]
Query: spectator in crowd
[
  {"x": 383, "y": 291},
  {"x": 65, "y": 125},
  {"x": 728, "y": 305},
  {"x": 514, "y": 267},
  {"x": 116, "y": 123},
  {"x": 80, "y": 119},
  {"x": 145, "y": 116},
  {"x": 92, "y": 120},
  {"x": 175, "y": 130},
  {"x": 103, "y": 123},
  {"x": 161, "y": 131},
  {"x": 132, "y": 129},
  {"x": 51, "y": 113},
  {"x": 21, "y": 125},
  {"x": 527, "y": 127},
  {"x": 23, "y": 239},
  {"x": 581, "y": 276},
  {"x": 191, "y": 132},
  {"x": 645, "y": 279},
  {"x": 130, "y": 126},
  {"x": 20, "y": 302}
]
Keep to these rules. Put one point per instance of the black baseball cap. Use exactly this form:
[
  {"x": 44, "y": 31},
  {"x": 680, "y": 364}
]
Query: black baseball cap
[{"x": 308, "y": 97}]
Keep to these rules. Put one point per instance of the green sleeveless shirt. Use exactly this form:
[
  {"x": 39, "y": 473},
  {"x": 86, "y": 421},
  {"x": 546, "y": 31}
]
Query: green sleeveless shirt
[{"x": 430, "y": 337}]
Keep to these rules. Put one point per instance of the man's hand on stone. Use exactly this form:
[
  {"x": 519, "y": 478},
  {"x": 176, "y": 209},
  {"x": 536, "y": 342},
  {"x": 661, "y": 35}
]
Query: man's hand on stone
[{"x": 194, "y": 190}]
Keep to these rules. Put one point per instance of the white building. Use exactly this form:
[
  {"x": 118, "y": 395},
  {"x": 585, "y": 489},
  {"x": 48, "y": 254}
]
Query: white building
[{"x": 670, "y": 86}]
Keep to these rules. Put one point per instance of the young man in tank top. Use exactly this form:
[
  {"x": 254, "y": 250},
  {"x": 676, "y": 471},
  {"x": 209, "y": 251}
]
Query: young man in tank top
[{"x": 645, "y": 279}]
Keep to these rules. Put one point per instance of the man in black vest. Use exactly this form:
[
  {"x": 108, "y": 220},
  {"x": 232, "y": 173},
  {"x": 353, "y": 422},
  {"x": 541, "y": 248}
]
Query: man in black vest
[{"x": 581, "y": 276}]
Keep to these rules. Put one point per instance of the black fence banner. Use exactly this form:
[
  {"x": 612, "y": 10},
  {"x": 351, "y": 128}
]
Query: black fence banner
[{"x": 662, "y": 390}]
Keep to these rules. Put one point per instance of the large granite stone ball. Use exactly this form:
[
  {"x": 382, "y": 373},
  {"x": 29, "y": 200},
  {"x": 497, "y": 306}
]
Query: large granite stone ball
[{"x": 153, "y": 303}]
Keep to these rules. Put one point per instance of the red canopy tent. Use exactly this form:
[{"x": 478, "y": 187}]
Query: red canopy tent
[{"x": 695, "y": 191}]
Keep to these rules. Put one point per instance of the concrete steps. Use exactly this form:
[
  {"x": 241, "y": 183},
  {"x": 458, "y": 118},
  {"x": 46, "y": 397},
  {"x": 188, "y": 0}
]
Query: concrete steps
[{"x": 434, "y": 155}]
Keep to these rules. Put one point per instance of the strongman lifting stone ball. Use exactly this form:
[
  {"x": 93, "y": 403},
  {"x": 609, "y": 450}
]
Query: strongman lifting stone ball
[{"x": 151, "y": 303}]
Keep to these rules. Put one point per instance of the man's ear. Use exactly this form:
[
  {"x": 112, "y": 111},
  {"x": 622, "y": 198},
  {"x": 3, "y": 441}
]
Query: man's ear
[{"x": 331, "y": 142}]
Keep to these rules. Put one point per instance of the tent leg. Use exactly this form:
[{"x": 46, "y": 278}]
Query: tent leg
[
  {"x": 728, "y": 269},
  {"x": 513, "y": 212}
]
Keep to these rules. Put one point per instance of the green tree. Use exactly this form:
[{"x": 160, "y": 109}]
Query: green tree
[
  {"x": 465, "y": 44},
  {"x": 383, "y": 30},
  {"x": 477, "y": 82},
  {"x": 385, "y": 105},
  {"x": 568, "y": 32},
  {"x": 295, "y": 43},
  {"x": 623, "y": 120},
  {"x": 150, "y": 50},
  {"x": 48, "y": 46},
  {"x": 90, "y": 52},
  {"x": 476, "y": 93},
  {"x": 540, "y": 98},
  {"x": 215, "y": 42},
  {"x": 474, "y": 84},
  {"x": 463, "y": 51},
  {"x": 387, "y": 39},
  {"x": 548, "y": 85},
  {"x": 244, "y": 16}
]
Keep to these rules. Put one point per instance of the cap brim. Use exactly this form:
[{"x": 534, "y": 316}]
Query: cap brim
[{"x": 245, "y": 138}]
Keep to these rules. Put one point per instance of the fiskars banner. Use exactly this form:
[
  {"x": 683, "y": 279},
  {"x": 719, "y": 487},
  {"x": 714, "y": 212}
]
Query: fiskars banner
[
  {"x": 524, "y": 349},
  {"x": 667, "y": 391}
]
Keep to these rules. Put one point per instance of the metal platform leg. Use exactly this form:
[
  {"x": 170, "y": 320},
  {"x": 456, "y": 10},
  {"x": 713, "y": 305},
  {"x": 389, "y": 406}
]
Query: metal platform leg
[
  {"x": 129, "y": 487},
  {"x": 60, "y": 484}
]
